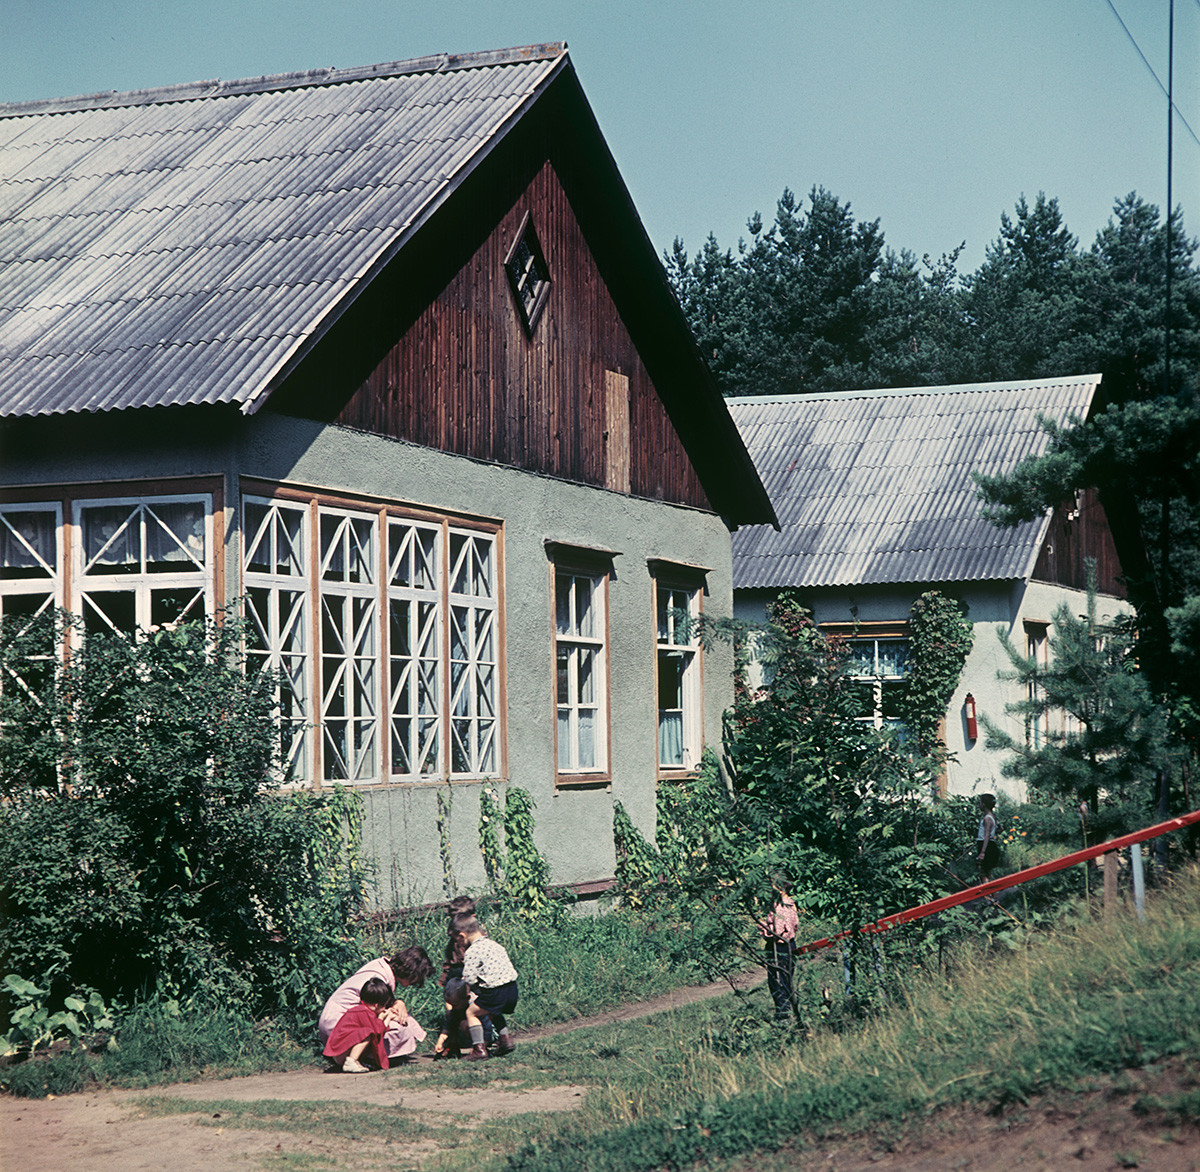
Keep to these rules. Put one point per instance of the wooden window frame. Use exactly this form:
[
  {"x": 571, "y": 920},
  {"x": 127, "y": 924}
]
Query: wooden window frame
[
  {"x": 387, "y": 513},
  {"x": 596, "y": 566},
  {"x": 519, "y": 276},
  {"x": 894, "y": 631}
]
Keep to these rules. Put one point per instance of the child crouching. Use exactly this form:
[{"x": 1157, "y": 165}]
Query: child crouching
[
  {"x": 358, "y": 1034},
  {"x": 490, "y": 975}
]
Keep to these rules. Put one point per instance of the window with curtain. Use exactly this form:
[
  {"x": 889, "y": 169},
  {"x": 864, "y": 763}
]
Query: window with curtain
[
  {"x": 677, "y": 609},
  {"x": 580, "y": 598}
]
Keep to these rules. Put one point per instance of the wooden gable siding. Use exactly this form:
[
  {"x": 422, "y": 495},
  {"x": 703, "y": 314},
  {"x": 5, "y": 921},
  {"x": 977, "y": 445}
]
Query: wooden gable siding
[
  {"x": 1079, "y": 531},
  {"x": 465, "y": 378}
]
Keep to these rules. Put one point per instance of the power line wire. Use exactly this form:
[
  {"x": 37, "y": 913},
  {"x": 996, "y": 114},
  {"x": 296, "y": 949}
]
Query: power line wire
[{"x": 1178, "y": 113}]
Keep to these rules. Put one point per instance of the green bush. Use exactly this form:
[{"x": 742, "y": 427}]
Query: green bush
[{"x": 144, "y": 848}]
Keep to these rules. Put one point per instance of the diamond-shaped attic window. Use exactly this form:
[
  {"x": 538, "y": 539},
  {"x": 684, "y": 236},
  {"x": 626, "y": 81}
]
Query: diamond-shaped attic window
[{"x": 527, "y": 274}]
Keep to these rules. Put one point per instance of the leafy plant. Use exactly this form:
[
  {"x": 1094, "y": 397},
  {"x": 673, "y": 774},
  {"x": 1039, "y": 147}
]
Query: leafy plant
[
  {"x": 526, "y": 869},
  {"x": 144, "y": 844},
  {"x": 32, "y": 1024},
  {"x": 637, "y": 863},
  {"x": 489, "y": 837}
]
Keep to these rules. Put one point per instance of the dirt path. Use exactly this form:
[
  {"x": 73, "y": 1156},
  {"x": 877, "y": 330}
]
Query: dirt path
[{"x": 109, "y": 1132}]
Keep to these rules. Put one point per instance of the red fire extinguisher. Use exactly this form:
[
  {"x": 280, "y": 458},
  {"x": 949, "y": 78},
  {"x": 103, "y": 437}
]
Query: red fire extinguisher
[{"x": 969, "y": 712}]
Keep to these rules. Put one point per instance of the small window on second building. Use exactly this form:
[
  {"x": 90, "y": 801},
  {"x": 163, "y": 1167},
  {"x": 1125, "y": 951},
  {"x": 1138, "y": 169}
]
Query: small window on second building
[{"x": 528, "y": 274}]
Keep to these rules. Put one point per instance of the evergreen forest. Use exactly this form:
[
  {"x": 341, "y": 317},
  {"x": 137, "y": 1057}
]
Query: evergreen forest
[{"x": 816, "y": 301}]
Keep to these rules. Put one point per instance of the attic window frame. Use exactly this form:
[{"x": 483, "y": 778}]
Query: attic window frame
[{"x": 519, "y": 276}]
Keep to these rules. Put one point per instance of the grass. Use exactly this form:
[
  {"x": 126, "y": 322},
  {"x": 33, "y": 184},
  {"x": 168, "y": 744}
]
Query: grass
[
  {"x": 713, "y": 1084},
  {"x": 570, "y": 967},
  {"x": 981, "y": 1027}
]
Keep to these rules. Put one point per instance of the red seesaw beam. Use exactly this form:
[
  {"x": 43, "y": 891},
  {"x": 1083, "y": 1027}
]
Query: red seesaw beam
[{"x": 1015, "y": 879}]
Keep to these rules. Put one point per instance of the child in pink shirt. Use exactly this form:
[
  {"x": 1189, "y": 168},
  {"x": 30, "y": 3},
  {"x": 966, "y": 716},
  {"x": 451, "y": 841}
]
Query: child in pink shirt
[
  {"x": 778, "y": 929},
  {"x": 359, "y": 1031}
]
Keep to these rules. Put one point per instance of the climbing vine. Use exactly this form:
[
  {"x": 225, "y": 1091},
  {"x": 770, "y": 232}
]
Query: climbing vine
[
  {"x": 940, "y": 638},
  {"x": 526, "y": 871},
  {"x": 445, "y": 806},
  {"x": 489, "y": 837},
  {"x": 637, "y": 861}
]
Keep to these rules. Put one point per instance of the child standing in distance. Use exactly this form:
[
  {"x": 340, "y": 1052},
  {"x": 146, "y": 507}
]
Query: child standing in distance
[
  {"x": 985, "y": 840},
  {"x": 490, "y": 975},
  {"x": 779, "y": 931},
  {"x": 359, "y": 1031}
]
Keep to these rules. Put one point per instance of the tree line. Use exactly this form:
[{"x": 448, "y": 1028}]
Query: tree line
[{"x": 817, "y": 302}]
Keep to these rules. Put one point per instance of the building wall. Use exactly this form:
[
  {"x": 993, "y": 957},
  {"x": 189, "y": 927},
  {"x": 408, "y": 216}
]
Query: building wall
[
  {"x": 573, "y": 825},
  {"x": 993, "y": 608}
]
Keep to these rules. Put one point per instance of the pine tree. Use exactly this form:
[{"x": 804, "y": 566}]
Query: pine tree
[{"x": 1092, "y": 725}]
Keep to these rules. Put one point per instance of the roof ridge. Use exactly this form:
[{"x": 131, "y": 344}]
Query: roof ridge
[
  {"x": 216, "y": 88},
  {"x": 1015, "y": 384}
]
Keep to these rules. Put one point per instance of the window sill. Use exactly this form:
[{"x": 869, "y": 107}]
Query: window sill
[{"x": 582, "y": 780}]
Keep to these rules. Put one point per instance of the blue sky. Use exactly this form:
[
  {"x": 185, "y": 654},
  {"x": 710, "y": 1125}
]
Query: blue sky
[{"x": 930, "y": 115}]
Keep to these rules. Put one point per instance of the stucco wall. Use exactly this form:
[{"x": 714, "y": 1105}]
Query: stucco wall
[
  {"x": 573, "y": 826},
  {"x": 993, "y": 608}
]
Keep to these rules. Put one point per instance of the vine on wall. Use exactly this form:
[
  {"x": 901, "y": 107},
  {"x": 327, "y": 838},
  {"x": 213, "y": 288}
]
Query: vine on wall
[
  {"x": 940, "y": 638},
  {"x": 526, "y": 870},
  {"x": 637, "y": 860},
  {"x": 489, "y": 837},
  {"x": 445, "y": 805}
]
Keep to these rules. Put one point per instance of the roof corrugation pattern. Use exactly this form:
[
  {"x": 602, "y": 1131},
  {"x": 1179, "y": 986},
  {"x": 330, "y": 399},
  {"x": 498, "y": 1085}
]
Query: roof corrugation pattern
[
  {"x": 177, "y": 246},
  {"x": 875, "y": 487}
]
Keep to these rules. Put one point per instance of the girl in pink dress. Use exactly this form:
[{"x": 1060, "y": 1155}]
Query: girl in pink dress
[{"x": 403, "y": 1032}]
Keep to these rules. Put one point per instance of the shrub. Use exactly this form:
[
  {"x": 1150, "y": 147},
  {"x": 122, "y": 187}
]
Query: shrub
[{"x": 143, "y": 845}]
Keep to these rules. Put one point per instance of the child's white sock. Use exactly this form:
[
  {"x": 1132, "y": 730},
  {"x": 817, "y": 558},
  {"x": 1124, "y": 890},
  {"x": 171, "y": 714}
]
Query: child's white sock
[{"x": 476, "y": 1034}]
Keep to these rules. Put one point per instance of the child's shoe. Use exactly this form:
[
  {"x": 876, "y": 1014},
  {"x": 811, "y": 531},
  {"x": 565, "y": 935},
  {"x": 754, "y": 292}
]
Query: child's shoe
[
  {"x": 478, "y": 1053},
  {"x": 353, "y": 1066},
  {"x": 505, "y": 1044}
]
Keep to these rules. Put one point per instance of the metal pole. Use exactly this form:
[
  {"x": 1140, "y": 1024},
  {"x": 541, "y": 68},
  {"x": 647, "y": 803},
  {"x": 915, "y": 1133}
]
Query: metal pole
[{"x": 1139, "y": 880}]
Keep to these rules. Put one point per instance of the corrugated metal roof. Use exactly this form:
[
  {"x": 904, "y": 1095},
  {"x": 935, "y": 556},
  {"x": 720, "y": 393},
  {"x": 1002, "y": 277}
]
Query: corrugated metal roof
[
  {"x": 177, "y": 246},
  {"x": 874, "y": 487}
]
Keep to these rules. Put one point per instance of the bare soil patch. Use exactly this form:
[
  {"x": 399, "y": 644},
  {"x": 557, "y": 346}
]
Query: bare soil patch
[
  {"x": 108, "y": 1131},
  {"x": 1095, "y": 1131}
]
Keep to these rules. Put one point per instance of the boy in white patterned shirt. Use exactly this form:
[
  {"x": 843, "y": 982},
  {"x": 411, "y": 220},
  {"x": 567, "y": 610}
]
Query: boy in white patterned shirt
[{"x": 492, "y": 978}]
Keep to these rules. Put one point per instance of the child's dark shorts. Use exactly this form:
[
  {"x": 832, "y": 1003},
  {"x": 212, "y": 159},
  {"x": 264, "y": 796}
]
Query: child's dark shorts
[{"x": 502, "y": 999}]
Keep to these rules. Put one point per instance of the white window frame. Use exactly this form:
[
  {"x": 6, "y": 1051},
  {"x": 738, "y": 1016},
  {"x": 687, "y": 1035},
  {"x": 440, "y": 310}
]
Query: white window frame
[
  {"x": 50, "y": 584},
  {"x": 424, "y": 706},
  {"x": 279, "y": 601},
  {"x": 473, "y": 649},
  {"x": 677, "y": 647},
  {"x": 143, "y": 584},
  {"x": 351, "y": 670},
  {"x": 415, "y": 678},
  {"x": 580, "y": 655}
]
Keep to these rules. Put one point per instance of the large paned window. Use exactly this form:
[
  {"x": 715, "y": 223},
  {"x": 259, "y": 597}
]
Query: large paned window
[
  {"x": 473, "y": 654},
  {"x": 677, "y": 609},
  {"x": 415, "y": 648},
  {"x": 30, "y": 559},
  {"x": 142, "y": 562},
  {"x": 580, "y": 629},
  {"x": 349, "y": 602},
  {"x": 405, "y": 670}
]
